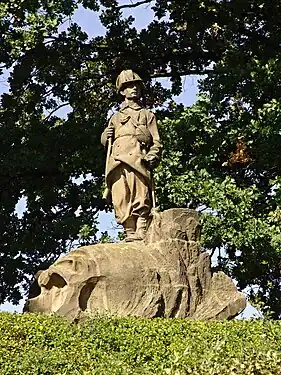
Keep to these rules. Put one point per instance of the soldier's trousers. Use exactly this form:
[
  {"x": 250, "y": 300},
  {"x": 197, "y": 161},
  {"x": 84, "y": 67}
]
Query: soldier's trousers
[{"x": 131, "y": 195}]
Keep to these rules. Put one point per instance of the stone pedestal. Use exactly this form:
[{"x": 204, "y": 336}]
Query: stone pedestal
[{"x": 166, "y": 275}]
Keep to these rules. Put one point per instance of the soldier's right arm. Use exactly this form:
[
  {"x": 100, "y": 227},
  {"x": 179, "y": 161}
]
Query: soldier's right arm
[{"x": 107, "y": 133}]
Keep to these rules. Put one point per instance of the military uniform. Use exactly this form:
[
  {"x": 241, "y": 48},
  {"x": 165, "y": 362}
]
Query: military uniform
[
  {"x": 127, "y": 176},
  {"x": 136, "y": 147}
]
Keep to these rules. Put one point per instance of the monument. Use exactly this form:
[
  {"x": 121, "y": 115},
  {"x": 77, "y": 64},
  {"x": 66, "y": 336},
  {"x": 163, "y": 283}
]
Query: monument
[
  {"x": 159, "y": 270},
  {"x": 134, "y": 150}
]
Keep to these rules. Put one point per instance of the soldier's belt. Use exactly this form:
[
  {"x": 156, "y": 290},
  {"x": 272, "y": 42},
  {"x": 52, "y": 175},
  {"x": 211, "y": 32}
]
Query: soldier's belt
[{"x": 125, "y": 135}]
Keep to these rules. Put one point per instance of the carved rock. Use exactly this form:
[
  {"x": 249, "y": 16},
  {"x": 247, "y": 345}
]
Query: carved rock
[{"x": 164, "y": 276}]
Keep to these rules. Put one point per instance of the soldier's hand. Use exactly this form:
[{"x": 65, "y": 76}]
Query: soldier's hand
[
  {"x": 151, "y": 161},
  {"x": 109, "y": 131}
]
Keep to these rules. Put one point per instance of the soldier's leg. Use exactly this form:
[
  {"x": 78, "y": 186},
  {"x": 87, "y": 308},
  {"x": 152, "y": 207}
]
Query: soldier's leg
[
  {"x": 141, "y": 227},
  {"x": 140, "y": 200},
  {"x": 120, "y": 196},
  {"x": 131, "y": 198},
  {"x": 121, "y": 199}
]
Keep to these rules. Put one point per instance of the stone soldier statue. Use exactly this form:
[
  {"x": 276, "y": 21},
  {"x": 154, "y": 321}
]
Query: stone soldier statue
[{"x": 134, "y": 149}]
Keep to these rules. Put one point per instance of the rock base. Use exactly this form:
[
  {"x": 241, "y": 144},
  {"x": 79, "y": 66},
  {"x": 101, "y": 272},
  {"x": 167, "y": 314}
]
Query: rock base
[{"x": 166, "y": 275}]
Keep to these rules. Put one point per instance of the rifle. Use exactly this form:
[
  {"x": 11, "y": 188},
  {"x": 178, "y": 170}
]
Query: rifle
[{"x": 107, "y": 192}]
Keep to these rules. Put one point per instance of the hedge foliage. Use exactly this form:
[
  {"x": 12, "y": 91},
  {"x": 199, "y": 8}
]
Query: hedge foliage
[{"x": 33, "y": 344}]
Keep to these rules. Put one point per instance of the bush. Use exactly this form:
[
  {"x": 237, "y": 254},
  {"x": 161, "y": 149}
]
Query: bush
[{"x": 33, "y": 344}]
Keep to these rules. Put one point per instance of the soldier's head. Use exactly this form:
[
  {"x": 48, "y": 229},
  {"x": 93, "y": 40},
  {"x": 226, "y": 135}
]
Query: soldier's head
[{"x": 129, "y": 85}]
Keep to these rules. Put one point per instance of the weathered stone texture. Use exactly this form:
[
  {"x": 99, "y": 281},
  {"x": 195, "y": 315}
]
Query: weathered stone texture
[{"x": 166, "y": 275}]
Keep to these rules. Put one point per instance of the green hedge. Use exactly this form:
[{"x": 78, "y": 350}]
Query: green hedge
[{"x": 45, "y": 345}]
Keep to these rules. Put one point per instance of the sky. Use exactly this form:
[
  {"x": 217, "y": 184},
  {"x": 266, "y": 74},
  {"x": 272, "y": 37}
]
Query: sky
[{"x": 90, "y": 23}]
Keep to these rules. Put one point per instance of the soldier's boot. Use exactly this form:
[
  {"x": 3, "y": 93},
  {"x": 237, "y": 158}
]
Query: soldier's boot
[
  {"x": 130, "y": 229},
  {"x": 141, "y": 228}
]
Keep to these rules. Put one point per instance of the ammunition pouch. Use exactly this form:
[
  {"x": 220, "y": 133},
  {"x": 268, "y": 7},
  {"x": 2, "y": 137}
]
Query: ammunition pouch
[{"x": 143, "y": 135}]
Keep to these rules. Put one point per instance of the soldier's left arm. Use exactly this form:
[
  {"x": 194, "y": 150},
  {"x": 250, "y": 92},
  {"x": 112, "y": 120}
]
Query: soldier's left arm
[{"x": 155, "y": 151}]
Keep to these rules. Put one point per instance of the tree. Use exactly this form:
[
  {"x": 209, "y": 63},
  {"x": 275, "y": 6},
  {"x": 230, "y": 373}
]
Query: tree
[
  {"x": 238, "y": 198},
  {"x": 221, "y": 155},
  {"x": 41, "y": 153}
]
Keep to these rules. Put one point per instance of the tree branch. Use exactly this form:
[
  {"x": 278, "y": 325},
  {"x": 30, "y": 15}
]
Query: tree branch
[
  {"x": 183, "y": 73},
  {"x": 134, "y": 5},
  {"x": 55, "y": 110}
]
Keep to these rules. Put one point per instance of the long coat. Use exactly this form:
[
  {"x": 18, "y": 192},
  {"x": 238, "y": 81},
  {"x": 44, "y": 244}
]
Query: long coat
[{"x": 135, "y": 136}]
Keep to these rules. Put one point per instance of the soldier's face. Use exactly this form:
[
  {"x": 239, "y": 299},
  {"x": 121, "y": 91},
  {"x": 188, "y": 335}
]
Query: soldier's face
[{"x": 132, "y": 90}]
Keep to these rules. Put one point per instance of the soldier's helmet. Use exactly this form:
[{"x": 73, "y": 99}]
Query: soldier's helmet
[{"x": 127, "y": 76}]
